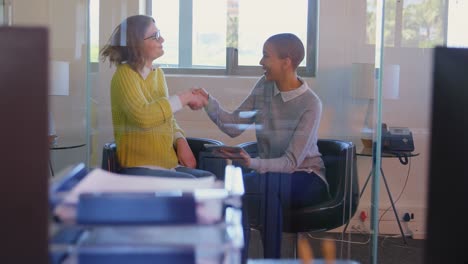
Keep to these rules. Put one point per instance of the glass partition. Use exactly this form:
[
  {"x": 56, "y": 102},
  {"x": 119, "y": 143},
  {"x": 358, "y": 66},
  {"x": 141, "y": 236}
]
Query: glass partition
[
  {"x": 404, "y": 56},
  {"x": 68, "y": 82},
  {"x": 68, "y": 42},
  {"x": 343, "y": 114},
  {"x": 5, "y": 12},
  {"x": 372, "y": 67},
  {"x": 2, "y": 13}
]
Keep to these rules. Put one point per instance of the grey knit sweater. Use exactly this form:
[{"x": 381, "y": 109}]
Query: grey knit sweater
[{"x": 286, "y": 125}]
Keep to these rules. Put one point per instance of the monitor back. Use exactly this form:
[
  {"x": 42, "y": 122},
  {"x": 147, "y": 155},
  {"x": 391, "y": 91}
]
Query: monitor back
[
  {"x": 446, "y": 222},
  {"x": 24, "y": 149}
]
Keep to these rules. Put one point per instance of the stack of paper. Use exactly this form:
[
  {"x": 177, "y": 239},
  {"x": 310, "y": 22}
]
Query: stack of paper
[
  {"x": 101, "y": 181},
  {"x": 98, "y": 181}
]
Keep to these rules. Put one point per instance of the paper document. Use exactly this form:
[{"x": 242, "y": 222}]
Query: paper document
[{"x": 100, "y": 180}]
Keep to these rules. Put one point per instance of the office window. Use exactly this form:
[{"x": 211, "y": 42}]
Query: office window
[
  {"x": 5, "y": 12},
  {"x": 2, "y": 18},
  {"x": 227, "y": 36},
  {"x": 457, "y": 24},
  {"x": 94, "y": 31},
  {"x": 420, "y": 23},
  {"x": 167, "y": 20}
]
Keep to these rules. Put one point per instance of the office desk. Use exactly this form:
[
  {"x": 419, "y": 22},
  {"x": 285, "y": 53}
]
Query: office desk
[
  {"x": 368, "y": 152},
  {"x": 61, "y": 144},
  {"x": 203, "y": 223}
]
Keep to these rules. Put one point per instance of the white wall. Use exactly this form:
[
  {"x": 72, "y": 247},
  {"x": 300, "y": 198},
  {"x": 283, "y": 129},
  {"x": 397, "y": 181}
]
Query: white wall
[{"x": 67, "y": 42}]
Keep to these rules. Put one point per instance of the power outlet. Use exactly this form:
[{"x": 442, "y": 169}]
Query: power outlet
[
  {"x": 360, "y": 227},
  {"x": 356, "y": 228},
  {"x": 407, "y": 217},
  {"x": 387, "y": 222},
  {"x": 363, "y": 216}
]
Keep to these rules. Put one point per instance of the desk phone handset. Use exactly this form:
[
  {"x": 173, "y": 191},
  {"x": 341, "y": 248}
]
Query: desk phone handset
[{"x": 398, "y": 141}]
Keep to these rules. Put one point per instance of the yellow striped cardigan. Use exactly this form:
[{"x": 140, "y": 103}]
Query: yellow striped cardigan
[{"x": 144, "y": 126}]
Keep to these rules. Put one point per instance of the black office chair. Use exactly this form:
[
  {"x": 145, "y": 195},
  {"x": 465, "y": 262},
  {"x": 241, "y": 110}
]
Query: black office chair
[
  {"x": 341, "y": 173},
  {"x": 197, "y": 145},
  {"x": 109, "y": 157}
]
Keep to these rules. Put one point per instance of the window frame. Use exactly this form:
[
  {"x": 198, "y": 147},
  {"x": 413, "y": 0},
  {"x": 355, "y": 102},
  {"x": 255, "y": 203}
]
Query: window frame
[{"x": 232, "y": 66}]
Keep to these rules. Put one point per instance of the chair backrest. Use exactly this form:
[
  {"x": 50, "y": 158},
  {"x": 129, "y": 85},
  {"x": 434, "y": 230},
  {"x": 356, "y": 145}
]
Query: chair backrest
[
  {"x": 337, "y": 156},
  {"x": 110, "y": 161},
  {"x": 197, "y": 145},
  {"x": 109, "y": 157}
]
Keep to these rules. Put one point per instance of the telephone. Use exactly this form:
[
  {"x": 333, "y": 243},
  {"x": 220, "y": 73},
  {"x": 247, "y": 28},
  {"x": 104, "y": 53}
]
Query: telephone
[{"x": 398, "y": 141}]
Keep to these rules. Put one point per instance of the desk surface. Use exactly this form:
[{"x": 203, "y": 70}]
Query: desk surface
[{"x": 367, "y": 152}]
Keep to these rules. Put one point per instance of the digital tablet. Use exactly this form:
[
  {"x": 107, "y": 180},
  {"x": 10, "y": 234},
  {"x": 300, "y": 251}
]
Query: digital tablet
[{"x": 232, "y": 149}]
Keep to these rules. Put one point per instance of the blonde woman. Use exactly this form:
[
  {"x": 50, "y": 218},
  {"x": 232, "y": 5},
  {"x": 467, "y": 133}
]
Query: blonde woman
[{"x": 149, "y": 140}]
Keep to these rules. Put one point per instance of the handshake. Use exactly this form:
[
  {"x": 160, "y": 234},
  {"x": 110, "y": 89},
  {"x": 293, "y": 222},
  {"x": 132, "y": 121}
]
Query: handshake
[{"x": 195, "y": 98}]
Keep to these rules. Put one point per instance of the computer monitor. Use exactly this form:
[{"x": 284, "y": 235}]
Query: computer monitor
[{"x": 446, "y": 222}]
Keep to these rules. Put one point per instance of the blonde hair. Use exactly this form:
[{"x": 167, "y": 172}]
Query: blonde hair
[
  {"x": 288, "y": 45},
  {"x": 126, "y": 42}
]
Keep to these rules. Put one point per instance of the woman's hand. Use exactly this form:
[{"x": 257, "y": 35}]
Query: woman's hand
[
  {"x": 202, "y": 92},
  {"x": 185, "y": 154},
  {"x": 197, "y": 102},
  {"x": 194, "y": 100}
]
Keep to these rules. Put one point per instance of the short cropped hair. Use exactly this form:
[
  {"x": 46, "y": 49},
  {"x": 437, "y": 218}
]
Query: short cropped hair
[{"x": 288, "y": 45}]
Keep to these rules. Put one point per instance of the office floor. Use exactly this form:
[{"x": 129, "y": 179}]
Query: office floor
[{"x": 390, "y": 249}]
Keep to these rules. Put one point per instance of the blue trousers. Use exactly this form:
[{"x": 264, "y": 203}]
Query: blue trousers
[{"x": 306, "y": 189}]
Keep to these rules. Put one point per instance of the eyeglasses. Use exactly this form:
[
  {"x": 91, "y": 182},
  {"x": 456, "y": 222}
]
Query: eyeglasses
[{"x": 155, "y": 36}]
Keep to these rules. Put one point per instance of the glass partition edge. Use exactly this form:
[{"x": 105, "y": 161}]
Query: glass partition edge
[{"x": 376, "y": 161}]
